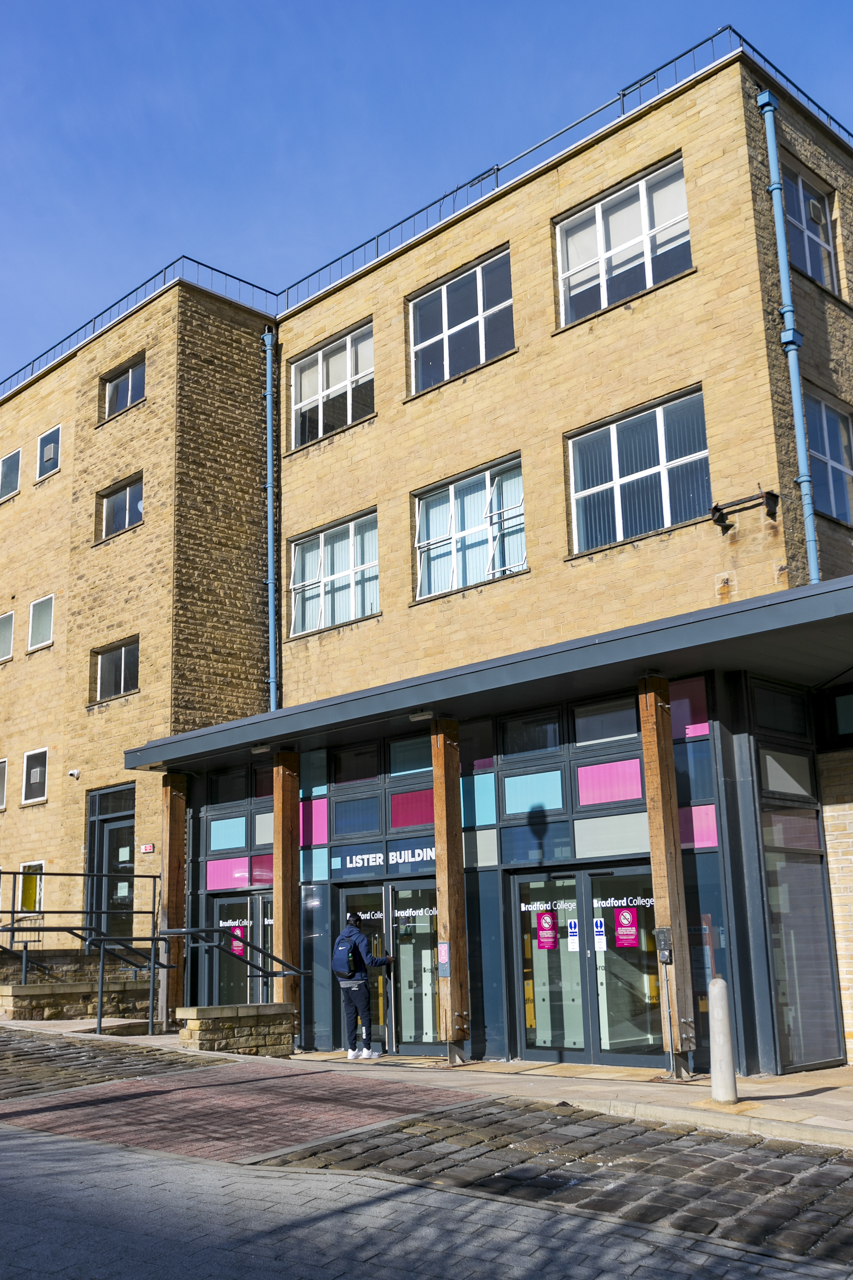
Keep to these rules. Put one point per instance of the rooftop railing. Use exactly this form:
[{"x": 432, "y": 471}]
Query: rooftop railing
[{"x": 701, "y": 56}]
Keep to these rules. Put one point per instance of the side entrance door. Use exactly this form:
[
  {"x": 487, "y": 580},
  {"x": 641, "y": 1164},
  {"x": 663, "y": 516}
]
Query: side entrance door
[{"x": 586, "y": 973}]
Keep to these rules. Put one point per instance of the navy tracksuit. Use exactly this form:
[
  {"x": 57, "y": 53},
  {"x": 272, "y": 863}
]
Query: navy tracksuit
[{"x": 356, "y": 989}]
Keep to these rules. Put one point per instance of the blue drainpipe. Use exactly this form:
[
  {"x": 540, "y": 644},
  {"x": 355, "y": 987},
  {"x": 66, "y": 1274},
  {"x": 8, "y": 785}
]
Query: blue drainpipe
[
  {"x": 269, "y": 344},
  {"x": 791, "y": 339}
]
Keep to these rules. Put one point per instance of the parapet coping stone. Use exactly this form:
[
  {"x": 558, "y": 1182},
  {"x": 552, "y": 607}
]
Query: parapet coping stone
[{"x": 214, "y": 1011}]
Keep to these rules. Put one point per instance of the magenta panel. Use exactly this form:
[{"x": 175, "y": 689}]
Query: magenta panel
[
  {"x": 698, "y": 827},
  {"x": 689, "y": 708},
  {"x": 262, "y": 869},
  {"x": 228, "y": 873},
  {"x": 604, "y": 783},
  {"x": 313, "y": 822},
  {"x": 412, "y": 809}
]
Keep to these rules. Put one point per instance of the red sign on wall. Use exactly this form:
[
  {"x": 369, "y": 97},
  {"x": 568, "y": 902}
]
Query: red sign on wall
[
  {"x": 627, "y": 933},
  {"x": 546, "y": 930}
]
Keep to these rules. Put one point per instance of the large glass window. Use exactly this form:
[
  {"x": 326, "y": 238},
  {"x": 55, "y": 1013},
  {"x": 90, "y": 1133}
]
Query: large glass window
[
  {"x": 7, "y": 627},
  {"x": 471, "y": 531},
  {"x": 333, "y": 387},
  {"x": 644, "y": 473},
  {"x": 831, "y": 450},
  {"x": 126, "y": 389},
  {"x": 335, "y": 576},
  {"x": 122, "y": 508},
  {"x": 35, "y": 777},
  {"x": 625, "y": 244},
  {"x": 118, "y": 671},
  {"x": 41, "y": 622},
  {"x": 10, "y": 474},
  {"x": 48, "y": 453},
  {"x": 809, "y": 228},
  {"x": 462, "y": 324}
]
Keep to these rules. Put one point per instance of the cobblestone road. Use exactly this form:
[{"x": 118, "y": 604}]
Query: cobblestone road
[
  {"x": 33, "y": 1062},
  {"x": 75, "y": 1210},
  {"x": 790, "y": 1196}
]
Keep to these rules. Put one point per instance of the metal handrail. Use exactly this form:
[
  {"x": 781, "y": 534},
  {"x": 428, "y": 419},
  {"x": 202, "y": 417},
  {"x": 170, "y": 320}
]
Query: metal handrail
[
  {"x": 287, "y": 969},
  {"x": 725, "y": 41}
]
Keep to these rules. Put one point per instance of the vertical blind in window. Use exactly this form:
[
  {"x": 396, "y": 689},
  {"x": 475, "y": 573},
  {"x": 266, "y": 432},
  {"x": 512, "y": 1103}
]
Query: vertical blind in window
[
  {"x": 831, "y": 450},
  {"x": 471, "y": 531},
  {"x": 623, "y": 245},
  {"x": 809, "y": 232},
  {"x": 642, "y": 474},
  {"x": 335, "y": 576},
  {"x": 462, "y": 324}
]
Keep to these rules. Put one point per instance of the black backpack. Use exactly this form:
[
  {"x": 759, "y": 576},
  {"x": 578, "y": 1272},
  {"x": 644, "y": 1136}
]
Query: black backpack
[{"x": 343, "y": 958}]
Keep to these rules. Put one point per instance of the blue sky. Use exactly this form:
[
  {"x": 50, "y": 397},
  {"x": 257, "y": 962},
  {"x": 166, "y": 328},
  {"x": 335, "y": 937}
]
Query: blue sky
[{"x": 265, "y": 138}]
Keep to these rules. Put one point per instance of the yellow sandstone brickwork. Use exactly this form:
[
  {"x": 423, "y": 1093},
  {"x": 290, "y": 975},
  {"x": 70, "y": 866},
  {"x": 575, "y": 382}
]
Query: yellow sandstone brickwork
[{"x": 835, "y": 771}]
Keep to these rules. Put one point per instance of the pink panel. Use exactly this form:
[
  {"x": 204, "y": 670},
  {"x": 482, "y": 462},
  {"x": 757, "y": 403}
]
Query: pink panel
[
  {"x": 412, "y": 809},
  {"x": 262, "y": 869},
  {"x": 698, "y": 827},
  {"x": 228, "y": 873},
  {"x": 313, "y": 822},
  {"x": 603, "y": 783},
  {"x": 689, "y": 708}
]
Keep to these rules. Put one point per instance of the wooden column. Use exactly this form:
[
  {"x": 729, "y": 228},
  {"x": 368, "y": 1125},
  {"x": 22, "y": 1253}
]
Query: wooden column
[
  {"x": 453, "y": 999},
  {"x": 173, "y": 897},
  {"x": 285, "y": 875},
  {"x": 667, "y": 871}
]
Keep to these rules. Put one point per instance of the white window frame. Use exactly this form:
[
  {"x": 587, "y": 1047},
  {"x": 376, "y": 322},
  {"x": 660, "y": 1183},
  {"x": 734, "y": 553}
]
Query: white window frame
[
  {"x": 114, "y": 493},
  {"x": 112, "y": 382},
  {"x": 25, "y": 870},
  {"x": 53, "y": 470},
  {"x": 27, "y": 756},
  {"x": 327, "y": 393},
  {"x": 445, "y": 331},
  {"x": 32, "y": 648},
  {"x": 491, "y": 524},
  {"x": 122, "y": 649},
  {"x": 4, "y": 773},
  {"x": 825, "y": 458},
  {"x": 298, "y": 588},
  {"x": 603, "y": 253},
  {"x": 12, "y": 492},
  {"x": 801, "y": 226},
  {"x": 6, "y": 657},
  {"x": 618, "y": 481}
]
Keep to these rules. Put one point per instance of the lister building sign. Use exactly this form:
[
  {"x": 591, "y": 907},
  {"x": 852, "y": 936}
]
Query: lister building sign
[{"x": 378, "y": 860}]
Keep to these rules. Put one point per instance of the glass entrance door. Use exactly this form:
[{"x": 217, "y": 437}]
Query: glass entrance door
[
  {"x": 415, "y": 951},
  {"x": 587, "y": 966},
  {"x": 118, "y": 859},
  {"x": 370, "y": 905},
  {"x": 232, "y": 976}
]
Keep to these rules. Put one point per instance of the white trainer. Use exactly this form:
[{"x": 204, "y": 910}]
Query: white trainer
[
  {"x": 371, "y": 1053},
  {"x": 352, "y": 1054}
]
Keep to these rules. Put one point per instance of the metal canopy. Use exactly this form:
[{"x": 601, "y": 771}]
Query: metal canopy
[{"x": 803, "y": 636}]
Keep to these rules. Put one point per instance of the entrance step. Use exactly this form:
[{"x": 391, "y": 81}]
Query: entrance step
[{"x": 120, "y": 1027}]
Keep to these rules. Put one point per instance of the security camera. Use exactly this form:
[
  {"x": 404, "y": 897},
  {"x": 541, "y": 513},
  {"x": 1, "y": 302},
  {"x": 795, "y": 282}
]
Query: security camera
[{"x": 74, "y": 773}]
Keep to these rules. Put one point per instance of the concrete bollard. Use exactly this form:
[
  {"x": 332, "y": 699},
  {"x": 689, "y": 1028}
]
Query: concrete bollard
[{"x": 723, "y": 1082}]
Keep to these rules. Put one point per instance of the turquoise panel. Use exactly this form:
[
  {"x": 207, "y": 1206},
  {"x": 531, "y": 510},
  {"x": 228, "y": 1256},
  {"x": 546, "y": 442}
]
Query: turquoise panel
[
  {"x": 533, "y": 790},
  {"x": 227, "y": 833},
  {"x": 478, "y": 800}
]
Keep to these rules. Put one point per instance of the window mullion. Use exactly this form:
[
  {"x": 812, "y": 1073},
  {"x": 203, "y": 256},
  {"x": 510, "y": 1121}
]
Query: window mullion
[
  {"x": 481, "y": 322},
  {"x": 444, "y": 333},
  {"x": 664, "y": 487},
  {"x": 322, "y": 581},
  {"x": 647, "y": 236},
  {"x": 454, "y": 551},
  {"x": 599, "y": 235},
  {"x": 349, "y": 377},
  {"x": 617, "y": 488}
]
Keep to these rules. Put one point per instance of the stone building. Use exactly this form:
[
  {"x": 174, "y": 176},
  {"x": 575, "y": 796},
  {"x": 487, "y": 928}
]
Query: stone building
[{"x": 538, "y": 519}]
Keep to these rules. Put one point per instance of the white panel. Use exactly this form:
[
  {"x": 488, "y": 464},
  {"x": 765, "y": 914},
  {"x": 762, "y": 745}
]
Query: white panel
[
  {"x": 481, "y": 848},
  {"x": 609, "y": 837}
]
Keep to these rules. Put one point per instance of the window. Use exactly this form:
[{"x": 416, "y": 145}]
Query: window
[
  {"x": 809, "y": 232},
  {"x": 122, "y": 509},
  {"x": 335, "y": 576},
  {"x": 10, "y": 474},
  {"x": 471, "y": 531},
  {"x": 333, "y": 387},
  {"x": 126, "y": 389},
  {"x": 118, "y": 670},
  {"x": 642, "y": 474},
  {"x": 3, "y": 764},
  {"x": 35, "y": 777},
  {"x": 625, "y": 244},
  {"x": 831, "y": 450},
  {"x": 462, "y": 324},
  {"x": 41, "y": 622},
  {"x": 7, "y": 627},
  {"x": 31, "y": 886},
  {"x": 48, "y": 453}
]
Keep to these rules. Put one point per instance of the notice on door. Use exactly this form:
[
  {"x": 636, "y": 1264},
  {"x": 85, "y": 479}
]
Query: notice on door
[
  {"x": 627, "y": 933},
  {"x": 600, "y": 935},
  {"x": 574, "y": 939},
  {"x": 546, "y": 930}
]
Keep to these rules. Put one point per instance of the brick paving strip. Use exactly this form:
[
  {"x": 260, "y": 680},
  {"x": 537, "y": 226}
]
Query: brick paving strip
[{"x": 786, "y": 1196}]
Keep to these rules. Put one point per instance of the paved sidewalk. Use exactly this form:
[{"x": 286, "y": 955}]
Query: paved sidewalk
[{"x": 86, "y": 1211}]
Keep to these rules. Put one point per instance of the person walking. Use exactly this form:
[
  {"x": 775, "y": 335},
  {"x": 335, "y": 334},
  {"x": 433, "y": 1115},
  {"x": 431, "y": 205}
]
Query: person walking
[{"x": 351, "y": 958}]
